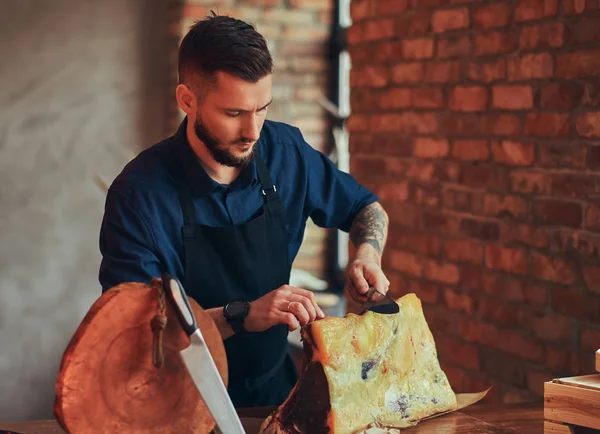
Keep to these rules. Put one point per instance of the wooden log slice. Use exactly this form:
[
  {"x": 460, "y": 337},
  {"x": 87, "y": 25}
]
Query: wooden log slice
[{"x": 108, "y": 382}]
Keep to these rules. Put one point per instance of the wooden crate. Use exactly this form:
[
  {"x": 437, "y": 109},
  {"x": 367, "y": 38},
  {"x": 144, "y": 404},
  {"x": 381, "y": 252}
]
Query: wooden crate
[{"x": 570, "y": 403}]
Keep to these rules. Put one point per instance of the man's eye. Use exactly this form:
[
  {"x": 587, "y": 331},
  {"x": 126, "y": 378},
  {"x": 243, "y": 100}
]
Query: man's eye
[{"x": 233, "y": 114}]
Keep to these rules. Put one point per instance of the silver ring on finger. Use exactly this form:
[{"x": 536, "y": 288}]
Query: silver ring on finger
[{"x": 288, "y": 306}]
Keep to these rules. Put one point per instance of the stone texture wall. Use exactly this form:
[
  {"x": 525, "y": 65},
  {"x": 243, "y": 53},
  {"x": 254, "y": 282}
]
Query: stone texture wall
[
  {"x": 478, "y": 124},
  {"x": 79, "y": 92}
]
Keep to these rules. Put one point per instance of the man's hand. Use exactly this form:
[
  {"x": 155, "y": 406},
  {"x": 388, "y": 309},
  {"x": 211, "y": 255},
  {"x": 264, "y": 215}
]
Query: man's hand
[
  {"x": 368, "y": 234},
  {"x": 286, "y": 305}
]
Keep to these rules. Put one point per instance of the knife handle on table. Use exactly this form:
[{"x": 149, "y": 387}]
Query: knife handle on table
[{"x": 174, "y": 290}]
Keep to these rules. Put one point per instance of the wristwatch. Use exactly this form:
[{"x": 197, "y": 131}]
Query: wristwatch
[{"x": 235, "y": 313}]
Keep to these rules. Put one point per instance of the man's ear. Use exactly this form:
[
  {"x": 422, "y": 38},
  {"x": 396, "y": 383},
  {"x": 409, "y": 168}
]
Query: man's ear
[{"x": 186, "y": 99}]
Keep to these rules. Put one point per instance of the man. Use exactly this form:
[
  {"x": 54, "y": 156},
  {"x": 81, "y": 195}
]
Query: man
[{"x": 223, "y": 205}]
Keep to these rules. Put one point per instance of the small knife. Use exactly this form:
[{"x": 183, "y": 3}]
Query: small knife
[
  {"x": 380, "y": 303},
  {"x": 200, "y": 363}
]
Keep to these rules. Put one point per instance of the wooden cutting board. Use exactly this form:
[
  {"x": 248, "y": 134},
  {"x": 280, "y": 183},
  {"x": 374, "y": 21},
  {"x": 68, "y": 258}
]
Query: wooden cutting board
[{"x": 108, "y": 381}]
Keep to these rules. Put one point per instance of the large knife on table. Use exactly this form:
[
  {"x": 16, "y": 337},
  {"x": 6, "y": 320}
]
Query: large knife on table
[{"x": 200, "y": 364}]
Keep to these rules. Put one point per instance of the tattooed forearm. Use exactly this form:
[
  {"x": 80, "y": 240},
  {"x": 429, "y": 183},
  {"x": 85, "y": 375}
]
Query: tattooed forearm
[{"x": 370, "y": 226}]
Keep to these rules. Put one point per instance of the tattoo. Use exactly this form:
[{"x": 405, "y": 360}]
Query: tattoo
[{"x": 370, "y": 226}]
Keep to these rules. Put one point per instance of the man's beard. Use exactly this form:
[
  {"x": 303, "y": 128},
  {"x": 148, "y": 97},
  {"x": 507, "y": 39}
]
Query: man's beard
[{"x": 222, "y": 156}]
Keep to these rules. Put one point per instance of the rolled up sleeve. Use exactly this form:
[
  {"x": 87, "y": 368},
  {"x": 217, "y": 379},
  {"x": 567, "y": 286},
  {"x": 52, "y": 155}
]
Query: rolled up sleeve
[
  {"x": 334, "y": 197},
  {"x": 126, "y": 244}
]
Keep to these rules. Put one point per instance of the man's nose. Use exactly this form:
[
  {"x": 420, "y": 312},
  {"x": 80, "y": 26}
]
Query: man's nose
[{"x": 252, "y": 129}]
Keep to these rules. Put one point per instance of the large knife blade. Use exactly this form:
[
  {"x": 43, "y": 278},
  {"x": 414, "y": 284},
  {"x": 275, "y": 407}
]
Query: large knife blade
[
  {"x": 199, "y": 362},
  {"x": 380, "y": 303}
]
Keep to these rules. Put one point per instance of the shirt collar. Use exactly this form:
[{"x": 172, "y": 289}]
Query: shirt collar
[{"x": 200, "y": 181}]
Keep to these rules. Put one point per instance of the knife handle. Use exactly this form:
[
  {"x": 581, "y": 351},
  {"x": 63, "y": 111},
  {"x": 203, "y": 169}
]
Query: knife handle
[{"x": 174, "y": 290}]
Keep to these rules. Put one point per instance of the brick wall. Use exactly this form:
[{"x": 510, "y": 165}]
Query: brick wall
[
  {"x": 478, "y": 124},
  {"x": 297, "y": 32}
]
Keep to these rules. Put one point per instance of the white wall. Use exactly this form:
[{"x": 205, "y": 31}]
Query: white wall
[{"x": 78, "y": 90}]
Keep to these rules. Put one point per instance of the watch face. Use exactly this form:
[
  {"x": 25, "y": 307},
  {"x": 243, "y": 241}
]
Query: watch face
[{"x": 236, "y": 308}]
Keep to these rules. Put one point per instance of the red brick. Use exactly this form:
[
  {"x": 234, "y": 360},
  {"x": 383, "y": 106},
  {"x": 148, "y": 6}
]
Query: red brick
[
  {"x": 528, "y": 10},
  {"x": 427, "y": 97},
  {"x": 370, "y": 76},
  {"x": 355, "y": 33},
  {"x": 551, "y": 327},
  {"x": 513, "y": 153},
  {"x": 390, "y": 7},
  {"x": 588, "y": 125},
  {"x": 504, "y": 314},
  {"x": 581, "y": 63},
  {"x": 413, "y": 23},
  {"x": 525, "y": 234},
  {"x": 481, "y": 333},
  {"x": 543, "y": 36},
  {"x": 393, "y": 192},
  {"x": 450, "y": 19},
  {"x": 502, "y": 258},
  {"x": 487, "y": 72},
  {"x": 468, "y": 98},
  {"x": 492, "y": 177},
  {"x": 407, "y": 72},
  {"x": 460, "y": 353},
  {"x": 457, "y": 123},
  {"x": 561, "y": 95},
  {"x": 428, "y": 3},
  {"x": 394, "y": 98},
  {"x": 311, "y": 4},
  {"x": 517, "y": 344},
  {"x": 573, "y": 185},
  {"x": 441, "y": 272},
  {"x": 361, "y": 9},
  {"x": 562, "y": 156},
  {"x": 464, "y": 251},
  {"x": 558, "y": 359},
  {"x": 430, "y": 148},
  {"x": 578, "y": 304},
  {"x": 483, "y": 230},
  {"x": 455, "y": 46},
  {"x": 383, "y": 51},
  {"x": 422, "y": 243},
  {"x": 502, "y": 206},
  {"x": 421, "y": 48},
  {"x": 459, "y": 301},
  {"x": 592, "y": 278},
  {"x": 442, "y": 72},
  {"x": 592, "y": 217},
  {"x": 536, "y": 381},
  {"x": 455, "y": 375},
  {"x": 470, "y": 150},
  {"x": 557, "y": 212},
  {"x": 590, "y": 339},
  {"x": 426, "y": 291},
  {"x": 584, "y": 30},
  {"x": 378, "y": 29},
  {"x": 426, "y": 195},
  {"x": 463, "y": 200},
  {"x": 553, "y": 269},
  {"x": 495, "y": 42},
  {"x": 594, "y": 161},
  {"x": 547, "y": 125},
  {"x": 406, "y": 262},
  {"x": 512, "y": 97},
  {"x": 501, "y": 124},
  {"x": 492, "y": 15},
  {"x": 530, "y": 66},
  {"x": 358, "y": 123},
  {"x": 408, "y": 122},
  {"x": 530, "y": 182},
  {"x": 574, "y": 6},
  {"x": 591, "y": 95}
]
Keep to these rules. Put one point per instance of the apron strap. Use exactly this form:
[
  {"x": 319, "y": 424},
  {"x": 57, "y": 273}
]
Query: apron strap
[
  {"x": 268, "y": 189},
  {"x": 186, "y": 201}
]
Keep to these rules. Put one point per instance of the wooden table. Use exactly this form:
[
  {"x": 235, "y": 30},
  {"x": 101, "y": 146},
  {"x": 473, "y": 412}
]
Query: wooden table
[{"x": 477, "y": 419}]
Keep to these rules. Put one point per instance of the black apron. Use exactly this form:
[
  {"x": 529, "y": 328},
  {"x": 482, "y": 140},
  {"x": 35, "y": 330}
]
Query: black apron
[{"x": 244, "y": 262}]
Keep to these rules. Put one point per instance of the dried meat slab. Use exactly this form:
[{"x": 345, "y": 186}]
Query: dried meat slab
[
  {"x": 108, "y": 381},
  {"x": 362, "y": 371}
]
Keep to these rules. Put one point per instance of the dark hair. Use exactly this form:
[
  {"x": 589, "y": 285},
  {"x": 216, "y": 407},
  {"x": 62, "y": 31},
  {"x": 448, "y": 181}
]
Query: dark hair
[{"x": 223, "y": 43}]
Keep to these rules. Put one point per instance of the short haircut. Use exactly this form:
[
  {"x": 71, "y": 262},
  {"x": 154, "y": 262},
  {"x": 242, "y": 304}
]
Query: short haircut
[{"x": 222, "y": 43}]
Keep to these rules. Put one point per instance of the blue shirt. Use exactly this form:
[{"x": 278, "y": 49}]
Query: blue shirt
[{"x": 141, "y": 232}]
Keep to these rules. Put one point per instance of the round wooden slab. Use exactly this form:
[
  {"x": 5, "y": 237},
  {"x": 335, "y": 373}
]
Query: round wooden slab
[{"x": 107, "y": 381}]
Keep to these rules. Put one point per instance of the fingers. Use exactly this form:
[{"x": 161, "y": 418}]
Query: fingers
[
  {"x": 307, "y": 298},
  {"x": 358, "y": 281},
  {"x": 290, "y": 320}
]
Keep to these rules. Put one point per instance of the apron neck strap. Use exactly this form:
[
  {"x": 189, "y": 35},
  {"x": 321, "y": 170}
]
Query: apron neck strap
[{"x": 266, "y": 183}]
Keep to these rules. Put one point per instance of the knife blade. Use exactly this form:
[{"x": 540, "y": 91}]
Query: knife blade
[
  {"x": 380, "y": 303},
  {"x": 199, "y": 362}
]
